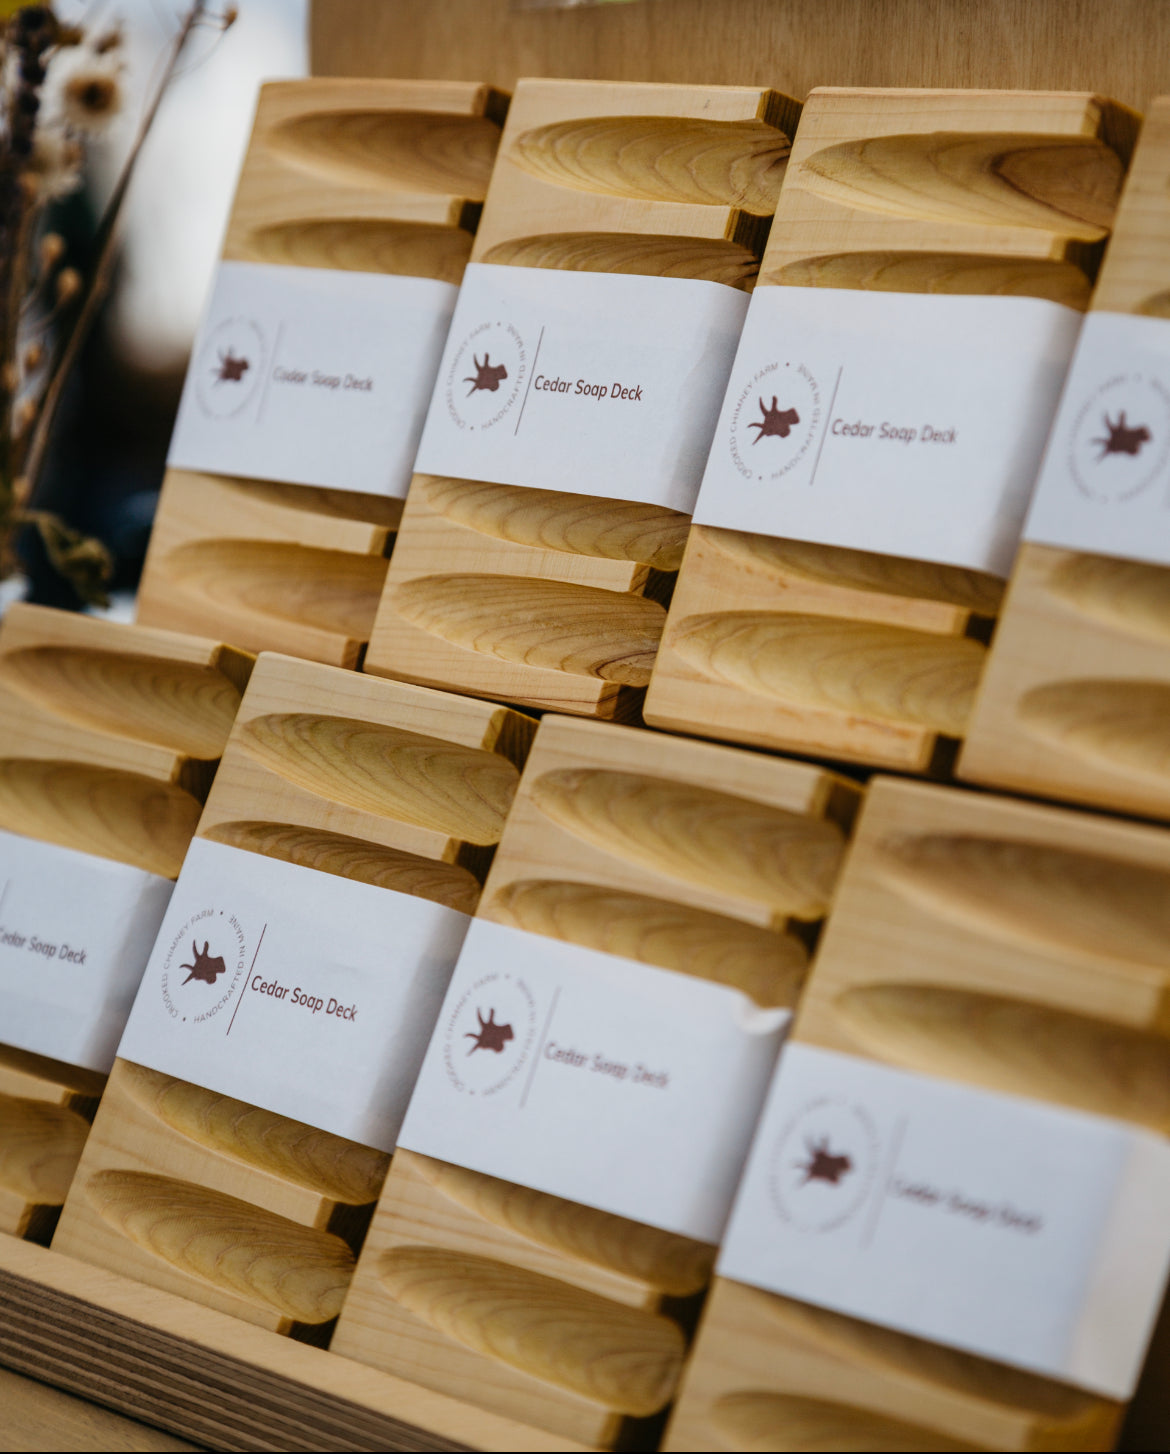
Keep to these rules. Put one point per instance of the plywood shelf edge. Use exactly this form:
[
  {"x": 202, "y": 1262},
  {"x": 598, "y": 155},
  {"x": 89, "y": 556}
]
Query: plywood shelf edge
[{"x": 212, "y": 1378}]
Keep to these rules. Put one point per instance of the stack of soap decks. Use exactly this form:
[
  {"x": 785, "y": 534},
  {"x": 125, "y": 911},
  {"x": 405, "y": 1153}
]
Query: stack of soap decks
[
  {"x": 110, "y": 735},
  {"x": 984, "y": 1007},
  {"x": 1076, "y": 695},
  {"x": 580, "y": 1121},
  {"x": 902, "y": 359},
  {"x": 577, "y": 393},
  {"x": 965, "y": 1147},
  {"x": 281, "y": 1021},
  {"x": 310, "y": 377}
]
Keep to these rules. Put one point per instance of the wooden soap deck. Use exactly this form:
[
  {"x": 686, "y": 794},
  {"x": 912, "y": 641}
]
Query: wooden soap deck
[
  {"x": 536, "y": 596},
  {"x": 109, "y": 736},
  {"x": 844, "y": 653},
  {"x": 222, "y": 1202},
  {"x": 366, "y": 176},
  {"x": 692, "y": 857},
  {"x": 1021, "y": 949},
  {"x": 1076, "y": 697}
]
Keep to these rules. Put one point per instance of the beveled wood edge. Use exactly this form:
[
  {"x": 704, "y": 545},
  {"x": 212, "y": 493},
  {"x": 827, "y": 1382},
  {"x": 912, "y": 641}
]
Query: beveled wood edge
[{"x": 211, "y": 1378}]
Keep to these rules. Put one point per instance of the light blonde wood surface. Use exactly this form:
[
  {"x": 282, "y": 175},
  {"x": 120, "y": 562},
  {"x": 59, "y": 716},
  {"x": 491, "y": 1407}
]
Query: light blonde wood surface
[
  {"x": 367, "y": 176},
  {"x": 39, "y": 1417},
  {"x": 109, "y": 736},
  {"x": 793, "y": 645},
  {"x": 115, "y": 699},
  {"x": 531, "y": 595},
  {"x": 218, "y": 1200},
  {"x": 1074, "y": 700},
  {"x": 1122, "y": 49},
  {"x": 214, "y": 1379},
  {"x": 1013, "y": 947},
  {"x": 699, "y": 859}
]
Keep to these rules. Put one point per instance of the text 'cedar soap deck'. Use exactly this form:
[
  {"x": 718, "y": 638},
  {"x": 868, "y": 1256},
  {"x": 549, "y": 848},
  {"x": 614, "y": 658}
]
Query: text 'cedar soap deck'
[
  {"x": 109, "y": 736},
  {"x": 917, "y": 306},
  {"x": 1076, "y": 698},
  {"x": 581, "y": 1117},
  {"x": 578, "y": 390},
  {"x": 310, "y": 377},
  {"x": 954, "y": 1226},
  {"x": 292, "y": 989}
]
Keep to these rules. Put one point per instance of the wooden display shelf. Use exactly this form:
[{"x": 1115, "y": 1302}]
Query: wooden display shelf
[
  {"x": 213, "y": 1379},
  {"x": 1120, "y": 50}
]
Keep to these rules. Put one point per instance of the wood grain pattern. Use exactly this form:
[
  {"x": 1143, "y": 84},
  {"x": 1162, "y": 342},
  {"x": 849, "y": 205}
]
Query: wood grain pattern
[
  {"x": 557, "y": 520},
  {"x": 40, "y": 1146},
  {"x": 1067, "y": 185},
  {"x": 37, "y": 1417},
  {"x": 1123, "y": 593},
  {"x": 689, "y": 941},
  {"x": 694, "y": 858},
  {"x": 998, "y": 44},
  {"x": 672, "y": 1264},
  {"x": 940, "y": 272},
  {"x": 547, "y": 625},
  {"x": 1073, "y": 700},
  {"x": 354, "y": 858},
  {"x": 661, "y": 159},
  {"x": 1003, "y": 945},
  {"x": 213, "y": 1378},
  {"x": 104, "y": 695},
  {"x": 554, "y": 602},
  {"x": 227, "y": 1203},
  {"x": 624, "y": 1358},
  {"x": 851, "y": 667},
  {"x": 887, "y": 575},
  {"x": 395, "y": 141},
  {"x": 699, "y": 835},
  {"x": 712, "y": 260},
  {"x": 762, "y": 1421},
  {"x": 376, "y": 177},
  {"x": 789, "y": 644},
  {"x": 296, "y": 1272},
  {"x": 109, "y": 736},
  {"x": 317, "y": 1161},
  {"x": 99, "y": 810}
]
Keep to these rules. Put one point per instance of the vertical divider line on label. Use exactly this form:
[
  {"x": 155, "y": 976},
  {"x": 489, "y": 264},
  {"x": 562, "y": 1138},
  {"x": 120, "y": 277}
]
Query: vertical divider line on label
[
  {"x": 825, "y": 431},
  {"x": 552, "y": 1009},
  {"x": 887, "y": 1178},
  {"x": 244, "y": 991},
  {"x": 531, "y": 376},
  {"x": 4, "y": 892}
]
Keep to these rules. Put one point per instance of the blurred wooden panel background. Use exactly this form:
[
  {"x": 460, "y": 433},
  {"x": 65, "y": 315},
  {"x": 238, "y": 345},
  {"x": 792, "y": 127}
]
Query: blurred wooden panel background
[{"x": 1121, "y": 48}]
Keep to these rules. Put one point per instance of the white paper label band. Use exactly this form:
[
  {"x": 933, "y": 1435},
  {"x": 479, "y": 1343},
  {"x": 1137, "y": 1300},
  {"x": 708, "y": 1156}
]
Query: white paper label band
[
  {"x": 593, "y": 383},
  {"x": 1105, "y": 484},
  {"x": 295, "y": 990},
  {"x": 75, "y": 935},
  {"x": 900, "y": 423},
  {"x": 595, "y": 1078},
  {"x": 1018, "y": 1231},
  {"x": 312, "y": 376}
]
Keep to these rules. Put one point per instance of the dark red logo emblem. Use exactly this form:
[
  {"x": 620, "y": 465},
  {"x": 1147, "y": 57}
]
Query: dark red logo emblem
[
  {"x": 231, "y": 369},
  {"x": 1121, "y": 438},
  {"x": 490, "y": 1036},
  {"x": 207, "y": 967},
  {"x": 774, "y": 421},
  {"x": 822, "y": 1164},
  {"x": 487, "y": 375}
]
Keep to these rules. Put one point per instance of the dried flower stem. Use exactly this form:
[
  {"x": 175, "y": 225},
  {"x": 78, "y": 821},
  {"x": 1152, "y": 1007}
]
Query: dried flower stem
[
  {"x": 32, "y": 34},
  {"x": 99, "y": 280}
]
